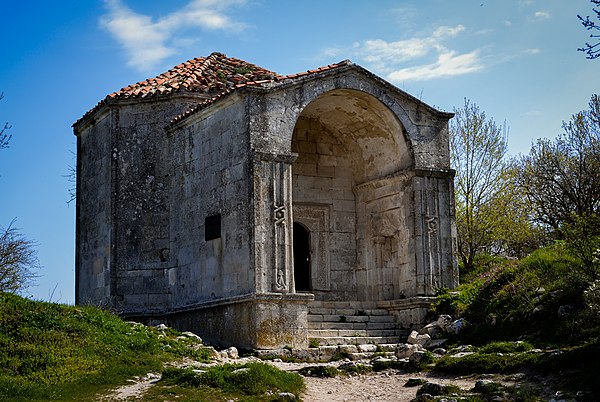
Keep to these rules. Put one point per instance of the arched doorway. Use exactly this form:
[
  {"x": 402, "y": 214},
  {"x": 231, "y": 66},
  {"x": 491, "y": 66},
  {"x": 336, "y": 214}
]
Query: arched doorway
[
  {"x": 353, "y": 156},
  {"x": 301, "y": 258}
]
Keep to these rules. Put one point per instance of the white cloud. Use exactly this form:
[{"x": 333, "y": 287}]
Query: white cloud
[
  {"x": 148, "y": 41},
  {"x": 506, "y": 23},
  {"x": 541, "y": 15},
  {"x": 388, "y": 58},
  {"x": 448, "y": 64}
]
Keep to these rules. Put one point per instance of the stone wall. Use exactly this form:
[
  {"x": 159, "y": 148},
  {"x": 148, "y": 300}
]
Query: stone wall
[
  {"x": 94, "y": 213},
  {"x": 211, "y": 179}
]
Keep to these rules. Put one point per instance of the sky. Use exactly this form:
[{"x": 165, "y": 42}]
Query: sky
[{"x": 516, "y": 59}]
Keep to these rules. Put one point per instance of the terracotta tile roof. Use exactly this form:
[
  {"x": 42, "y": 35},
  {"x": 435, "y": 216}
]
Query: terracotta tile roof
[
  {"x": 206, "y": 75},
  {"x": 208, "y": 78}
]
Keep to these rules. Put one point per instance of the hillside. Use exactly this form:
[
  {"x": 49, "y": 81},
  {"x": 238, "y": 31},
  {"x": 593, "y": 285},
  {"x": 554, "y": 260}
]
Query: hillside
[{"x": 70, "y": 353}]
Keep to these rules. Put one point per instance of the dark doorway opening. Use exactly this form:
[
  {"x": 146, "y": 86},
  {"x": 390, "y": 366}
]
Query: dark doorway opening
[{"x": 301, "y": 257}]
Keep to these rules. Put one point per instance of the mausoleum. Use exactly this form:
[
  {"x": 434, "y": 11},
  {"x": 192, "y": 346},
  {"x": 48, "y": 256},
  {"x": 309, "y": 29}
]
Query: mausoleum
[{"x": 257, "y": 209}]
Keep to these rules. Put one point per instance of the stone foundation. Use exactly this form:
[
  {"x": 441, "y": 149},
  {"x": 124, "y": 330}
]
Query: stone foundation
[
  {"x": 258, "y": 321},
  {"x": 410, "y": 313}
]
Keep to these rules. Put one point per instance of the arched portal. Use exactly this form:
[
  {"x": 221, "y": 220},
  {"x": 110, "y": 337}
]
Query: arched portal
[
  {"x": 302, "y": 258},
  {"x": 348, "y": 141}
]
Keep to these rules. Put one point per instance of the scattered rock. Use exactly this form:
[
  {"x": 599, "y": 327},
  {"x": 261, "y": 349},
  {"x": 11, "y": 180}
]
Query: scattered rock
[
  {"x": 486, "y": 386},
  {"x": 189, "y": 334},
  {"x": 458, "y": 325},
  {"x": 406, "y": 350},
  {"x": 367, "y": 347},
  {"x": 413, "y": 382},
  {"x": 417, "y": 357},
  {"x": 430, "y": 329},
  {"x": 381, "y": 360},
  {"x": 162, "y": 327},
  {"x": 271, "y": 353},
  {"x": 417, "y": 339},
  {"x": 431, "y": 388},
  {"x": 232, "y": 352},
  {"x": 439, "y": 351},
  {"x": 565, "y": 310},
  {"x": 444, "y": 321},
  {"x": 434, "y": 343}
]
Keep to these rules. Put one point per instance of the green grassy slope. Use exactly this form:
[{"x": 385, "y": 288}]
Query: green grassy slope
[{"x": 56, "y": 352}]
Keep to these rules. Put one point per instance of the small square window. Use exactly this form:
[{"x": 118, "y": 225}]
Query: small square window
[{"x": 212, "y": 227}]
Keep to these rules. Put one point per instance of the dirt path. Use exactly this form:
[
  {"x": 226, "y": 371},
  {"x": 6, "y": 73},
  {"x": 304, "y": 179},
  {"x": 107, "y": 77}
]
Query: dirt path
[
  {"x": 380, "y": 387},
  {"x": 384, "y": 386},
  {"x": 133, "y": 391}
]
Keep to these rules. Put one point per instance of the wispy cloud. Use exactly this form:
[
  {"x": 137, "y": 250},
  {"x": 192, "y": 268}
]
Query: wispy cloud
[
  {"x": 388, "y": 58},
  {"x": 148, "y": 41},
  {"x": 541, "y": 15},
  {"x": 448, "y": 64}
]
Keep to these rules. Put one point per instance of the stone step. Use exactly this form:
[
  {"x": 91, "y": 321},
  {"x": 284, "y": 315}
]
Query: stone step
[
  {"x": 351, "y": 325},
  {"x": 355, "y": 340},
  {"x": 348, "y": 311},
  {"x": 342, "y": 304},
  {"x": 349, "y": 318},
  {"x": 319, "y": 333}
]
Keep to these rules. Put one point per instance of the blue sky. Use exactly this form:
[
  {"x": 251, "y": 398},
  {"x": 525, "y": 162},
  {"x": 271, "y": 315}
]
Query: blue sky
[{"x": 516, "y": 59}]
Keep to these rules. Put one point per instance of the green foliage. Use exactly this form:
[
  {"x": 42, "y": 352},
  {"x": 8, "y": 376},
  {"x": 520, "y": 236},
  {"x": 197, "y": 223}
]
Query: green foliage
[
  {"x": 505, "y": 299},
  {"x": 313, "y": 343},
  {"x": 505, "y": 347},
  {"x": 487, "y": 363},
  {"x": 592, "y": 298},
  {"x": 237, "y": 379},
  {"x": 478, "y": 148},
  {"x": 51, "y": 351},
  {"x": 244, "y": 70},
  {"x": 582, "y": 241},
  {"x": 355, "y": 369},
  {"x": 561, "y": 178}
]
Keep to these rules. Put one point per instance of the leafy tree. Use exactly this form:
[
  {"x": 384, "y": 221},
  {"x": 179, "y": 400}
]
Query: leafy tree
[
  {"x": 592, "y": 50},
  {"x": 561, "y": 178},
  {"x": 478, "y": 148},
  {"x": 18, "y": 260}
]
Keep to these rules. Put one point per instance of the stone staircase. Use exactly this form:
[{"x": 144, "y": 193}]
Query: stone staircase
[{"x": 351, "y": 323}]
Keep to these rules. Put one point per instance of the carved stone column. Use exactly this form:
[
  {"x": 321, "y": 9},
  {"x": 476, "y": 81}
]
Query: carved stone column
[
  {"x": 434, "y": 235},
  {"x": 274, "y": 222}
]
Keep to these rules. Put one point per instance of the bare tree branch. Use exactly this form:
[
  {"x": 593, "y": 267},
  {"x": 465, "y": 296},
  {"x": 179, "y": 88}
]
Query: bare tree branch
[
  {"x": 591, "y": 49},
  {"x": 18, "y": 260}
]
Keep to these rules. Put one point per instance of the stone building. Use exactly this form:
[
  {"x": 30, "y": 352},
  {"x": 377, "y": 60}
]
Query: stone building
[{"x": 248, "y": 206}]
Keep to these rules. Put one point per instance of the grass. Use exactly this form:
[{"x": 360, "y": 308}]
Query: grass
[
  {"x": 50, "y": 351},
  {"x": 252, "y": 381}
]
